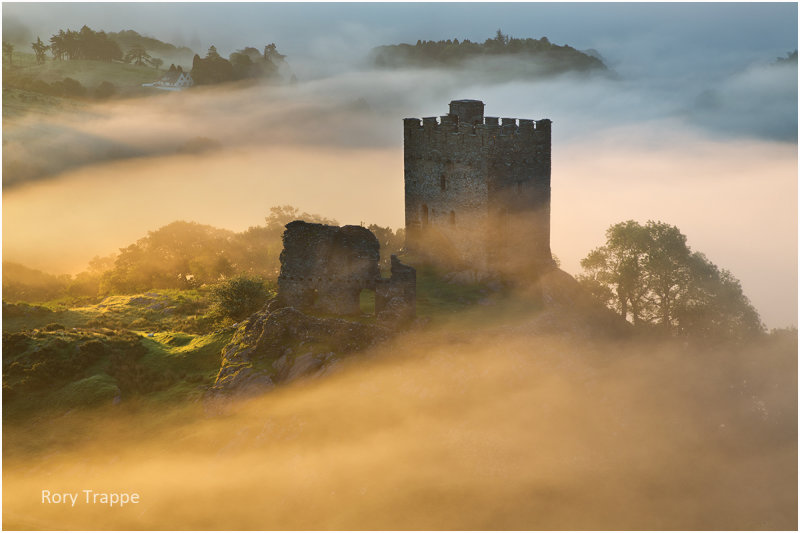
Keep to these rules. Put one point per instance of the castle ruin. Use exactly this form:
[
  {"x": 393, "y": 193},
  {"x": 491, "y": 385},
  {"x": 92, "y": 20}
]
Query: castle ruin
[
  {"x": 477, "y": 189},
  {"x": 325, "y": 269}
]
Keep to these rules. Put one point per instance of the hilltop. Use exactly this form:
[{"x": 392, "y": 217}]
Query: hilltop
[{"x": 531, "y": 57}]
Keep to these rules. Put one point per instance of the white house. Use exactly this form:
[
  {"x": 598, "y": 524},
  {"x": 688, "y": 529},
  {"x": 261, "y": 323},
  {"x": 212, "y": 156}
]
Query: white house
[{"x": 173, "y": 80}]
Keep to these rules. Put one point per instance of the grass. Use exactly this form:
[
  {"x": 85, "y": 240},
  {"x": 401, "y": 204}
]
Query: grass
[
  {"x": 127, "y": 79},
  {"x": 158, "y": 310},
  {"x": 17, "y": 102},
  {"x": 89, "y": 73},
  {"x": 163, "y": 347}
]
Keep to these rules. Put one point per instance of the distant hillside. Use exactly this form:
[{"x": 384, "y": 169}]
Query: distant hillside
[
  {"x": 127, "y": 39},
  {"x": 543, "y": 56}
]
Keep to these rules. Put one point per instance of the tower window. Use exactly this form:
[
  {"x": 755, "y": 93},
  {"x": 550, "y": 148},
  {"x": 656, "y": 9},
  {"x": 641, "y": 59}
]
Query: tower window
[
  {"x": 424, "y": 215},
  {"x": 443, "y": 182},
  {"x": 452, "y": 218}
]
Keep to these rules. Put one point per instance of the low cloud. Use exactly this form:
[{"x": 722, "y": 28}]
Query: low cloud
[
  {"x": 333, "y": 145},
  {"x": 461, "y": 427}
]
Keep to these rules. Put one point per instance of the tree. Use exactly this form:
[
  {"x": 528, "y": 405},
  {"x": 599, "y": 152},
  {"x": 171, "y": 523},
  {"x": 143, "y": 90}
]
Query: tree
[
  {"x": 39, "y": 49},
  {"x": 650, "y": 276},
  {"x": 138, "y": 55},
  {"x": 8, "y": 52},
  {"x": 211, "y": 69},
  {"x": 58, "y": 45},
  {"x": 157, "y": 62}
]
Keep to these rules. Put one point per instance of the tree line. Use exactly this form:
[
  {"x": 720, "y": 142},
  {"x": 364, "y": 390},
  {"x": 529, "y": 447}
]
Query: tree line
[
  {"x": 453, "y": 52},
  {"x": 248, "y": 63},
  {"x": 180, "y": 255}
]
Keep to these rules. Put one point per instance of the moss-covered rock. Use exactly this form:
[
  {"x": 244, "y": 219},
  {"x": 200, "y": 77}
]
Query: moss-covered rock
[{"x": 280, "y": 345}]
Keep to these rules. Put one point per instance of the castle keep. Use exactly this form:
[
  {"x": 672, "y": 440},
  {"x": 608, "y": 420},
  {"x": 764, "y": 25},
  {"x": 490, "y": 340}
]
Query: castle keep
[{"x": 477, "y": 189}]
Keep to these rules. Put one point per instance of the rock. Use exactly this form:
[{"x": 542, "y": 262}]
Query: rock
[
  {"x": 304, "y": 364},
  {"x": 262, "y": 350}
]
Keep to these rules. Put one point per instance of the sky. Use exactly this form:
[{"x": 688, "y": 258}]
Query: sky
[{"x": 696, "y": 127}]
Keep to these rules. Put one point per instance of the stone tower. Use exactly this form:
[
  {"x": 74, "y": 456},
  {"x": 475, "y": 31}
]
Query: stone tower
[{"x": 477, "y": 189}]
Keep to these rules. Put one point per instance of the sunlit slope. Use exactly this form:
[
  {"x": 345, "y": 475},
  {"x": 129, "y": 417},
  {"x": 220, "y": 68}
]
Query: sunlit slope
[
  {"x": 89, "y": 73},
  {"x": 459, "y": 427}
]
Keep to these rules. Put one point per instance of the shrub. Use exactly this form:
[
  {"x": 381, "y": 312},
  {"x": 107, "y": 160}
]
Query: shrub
[
  {"x": 239, "y": 297},
  {"x": 105, "y": 90}
]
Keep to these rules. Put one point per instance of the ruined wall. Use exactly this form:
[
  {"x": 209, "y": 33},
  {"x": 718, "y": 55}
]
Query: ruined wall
[
  {"x": 396, "y": 297},
  {"x": 325, "y": 268},
  {"x": 469, "y": 177}
]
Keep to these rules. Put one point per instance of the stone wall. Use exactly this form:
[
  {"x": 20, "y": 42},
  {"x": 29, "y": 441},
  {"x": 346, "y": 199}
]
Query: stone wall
[
  {"x": 396, "y": 297},
  {"x": 325, "y": 268}
]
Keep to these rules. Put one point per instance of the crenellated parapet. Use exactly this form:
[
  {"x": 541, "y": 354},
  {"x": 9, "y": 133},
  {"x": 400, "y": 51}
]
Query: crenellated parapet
[{"x": 489, "y": 126}]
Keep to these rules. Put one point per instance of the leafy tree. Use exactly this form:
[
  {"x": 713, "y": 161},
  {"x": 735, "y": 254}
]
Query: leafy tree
[
  {"x": 138, "y": 55},
  {"x": 650, "y": 276},
  {"x": 8, "y": 52},
  {"x": 157, "y": 62},
  {"x": 271, "y": 54},
  {"x": 177, "y": 256},
  {"x": 39, "y": 49}
]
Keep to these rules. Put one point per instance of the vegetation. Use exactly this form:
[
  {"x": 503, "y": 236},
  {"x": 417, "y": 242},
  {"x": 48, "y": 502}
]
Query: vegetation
[
  {"x": 790, "y": 59},
  {"x": 138, "y": 56},
  {"x": 8, "y": 53},
  {"x": 239, "y": 297},
  {"x": 551, "y": 58},
  {"x": 244, "y": 64},
  {"x": 40, "y": 49},
  {"x": 181, "y": 255},
  {"x": 84, "y": 44},
  {"x": 150, "y": 322},
  {"x": 650, "y": 276},
  {"x": 54, "y": 369},
  {"x": 128, "y": 39}
]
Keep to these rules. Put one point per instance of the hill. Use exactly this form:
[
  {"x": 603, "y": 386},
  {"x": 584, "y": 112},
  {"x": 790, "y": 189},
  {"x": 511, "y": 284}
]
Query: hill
[
  {"x": 540, "y": 56},
  {"x": 127, "y": 39},
  {"x": 58, "y": 85}
]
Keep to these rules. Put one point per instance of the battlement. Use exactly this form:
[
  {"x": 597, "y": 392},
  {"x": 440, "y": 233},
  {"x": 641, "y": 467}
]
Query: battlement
[{"x": 451, "y": 124}]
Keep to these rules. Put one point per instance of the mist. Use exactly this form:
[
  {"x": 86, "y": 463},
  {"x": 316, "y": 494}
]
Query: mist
[
  {"x": 709, "y": 120},
  {"x": 333, "y": 146},
  {"x": 458, "y": 427}
]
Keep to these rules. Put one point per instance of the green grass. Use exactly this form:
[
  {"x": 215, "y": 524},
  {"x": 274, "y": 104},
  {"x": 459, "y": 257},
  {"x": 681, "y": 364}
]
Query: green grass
[
  {"x": 17, "y": 102},
  {"x": 162, "y": 347},
  {"x": 89, "y": 73},
  {"x": 158, "y": 310},
  {"x": 127, "y": 80}
]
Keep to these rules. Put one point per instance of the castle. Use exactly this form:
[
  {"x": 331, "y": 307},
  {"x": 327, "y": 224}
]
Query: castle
[{"x": 477, "y": 189}]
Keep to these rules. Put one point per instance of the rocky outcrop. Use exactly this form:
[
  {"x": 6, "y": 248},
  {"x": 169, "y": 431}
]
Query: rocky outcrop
[{"x": 278, "y": 345}]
